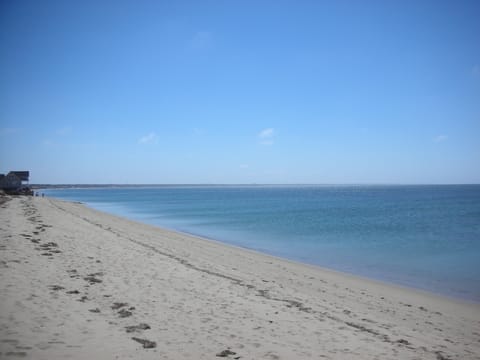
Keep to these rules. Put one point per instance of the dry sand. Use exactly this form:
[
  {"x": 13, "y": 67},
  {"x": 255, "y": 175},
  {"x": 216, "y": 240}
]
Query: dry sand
[{"x": 77, "y": 283}]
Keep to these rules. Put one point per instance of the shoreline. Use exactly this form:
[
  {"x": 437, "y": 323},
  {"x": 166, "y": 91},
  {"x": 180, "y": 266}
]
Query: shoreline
[
  {"x": 454, "y": 296},
  {"x": 316, "y": 267},
  {"x": 200, "y": 297},
  {"x": 321, "y": 268}
]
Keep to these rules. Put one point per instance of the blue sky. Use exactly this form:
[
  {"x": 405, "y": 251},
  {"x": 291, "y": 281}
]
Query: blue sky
[{"x": 240, "y": 91}]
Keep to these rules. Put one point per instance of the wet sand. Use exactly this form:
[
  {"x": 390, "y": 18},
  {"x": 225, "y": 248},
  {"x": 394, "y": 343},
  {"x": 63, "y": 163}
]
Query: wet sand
[{"x": 77, "y": 283}]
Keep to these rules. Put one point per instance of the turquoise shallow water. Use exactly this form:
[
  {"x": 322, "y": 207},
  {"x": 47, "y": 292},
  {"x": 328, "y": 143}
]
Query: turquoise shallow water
[{"x": 426, "y": 237}]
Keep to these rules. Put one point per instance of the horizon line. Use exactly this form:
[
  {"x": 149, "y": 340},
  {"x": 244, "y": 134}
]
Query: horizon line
[{"x": 243, "y": 184}]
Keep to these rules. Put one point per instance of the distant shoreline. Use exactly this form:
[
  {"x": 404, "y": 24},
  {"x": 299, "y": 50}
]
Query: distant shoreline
[{"x": 88, "y": 186}]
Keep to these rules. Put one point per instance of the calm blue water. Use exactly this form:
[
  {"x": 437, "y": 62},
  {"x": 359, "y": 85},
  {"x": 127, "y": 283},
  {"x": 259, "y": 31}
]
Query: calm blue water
[{"x": 426, "y": 237}]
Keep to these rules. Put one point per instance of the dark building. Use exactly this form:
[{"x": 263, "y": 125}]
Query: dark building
[
  {"x": 14, "y": 180},
  {"x": 22, "y": 175}
]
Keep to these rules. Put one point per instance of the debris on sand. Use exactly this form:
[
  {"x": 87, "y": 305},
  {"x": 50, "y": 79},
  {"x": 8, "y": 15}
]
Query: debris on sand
[
  {"x": 147, "y": 344},
  {"x": 225, "y": 353}
]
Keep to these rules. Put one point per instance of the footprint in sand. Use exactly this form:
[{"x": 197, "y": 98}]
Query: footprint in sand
[
  {"x": 118, "y": 305},
  {"x": 56, "y": 287},
  {"x": 124, "y": 313},
  {"x": 92, "y": 278},
  {"x": 137, "y": 328}
]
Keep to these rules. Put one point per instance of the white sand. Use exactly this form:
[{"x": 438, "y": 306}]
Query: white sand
[{"x": 198, "y": 297}]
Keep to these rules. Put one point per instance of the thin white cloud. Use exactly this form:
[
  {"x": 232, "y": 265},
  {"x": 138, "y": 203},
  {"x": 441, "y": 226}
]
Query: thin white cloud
[
  {"x": 266, "y": 133},
  {"x": 150, "y": 138},
  {"x": 440, "y": 138},
  {"x": 202, "y": 40},
  {"x": 243, "y": 166},
  {"x": 266, "y": 136}
]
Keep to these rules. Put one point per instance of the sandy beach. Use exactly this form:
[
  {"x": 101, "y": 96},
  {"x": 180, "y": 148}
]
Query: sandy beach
[{"x": 77, "y": 283}]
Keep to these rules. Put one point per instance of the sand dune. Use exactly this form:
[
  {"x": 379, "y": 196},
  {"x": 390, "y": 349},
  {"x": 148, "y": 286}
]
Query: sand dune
[{"x": 77, "y": 283}]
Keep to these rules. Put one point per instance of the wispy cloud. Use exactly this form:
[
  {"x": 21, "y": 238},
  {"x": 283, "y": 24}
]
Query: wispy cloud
[
  {"x": 150, "y": 138},
  {"x": 266, "y": 136},
  {"x": 440, "y": 138},
  {"x": 202, "y": 40},
  {"x": 243, "y": 166}
]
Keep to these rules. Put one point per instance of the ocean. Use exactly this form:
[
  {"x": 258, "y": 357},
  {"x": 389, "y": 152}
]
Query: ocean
[{"x": 425, "y": 237}]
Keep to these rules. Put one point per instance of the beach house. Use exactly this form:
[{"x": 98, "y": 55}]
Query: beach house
[{"x": 14, "y": 180}]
